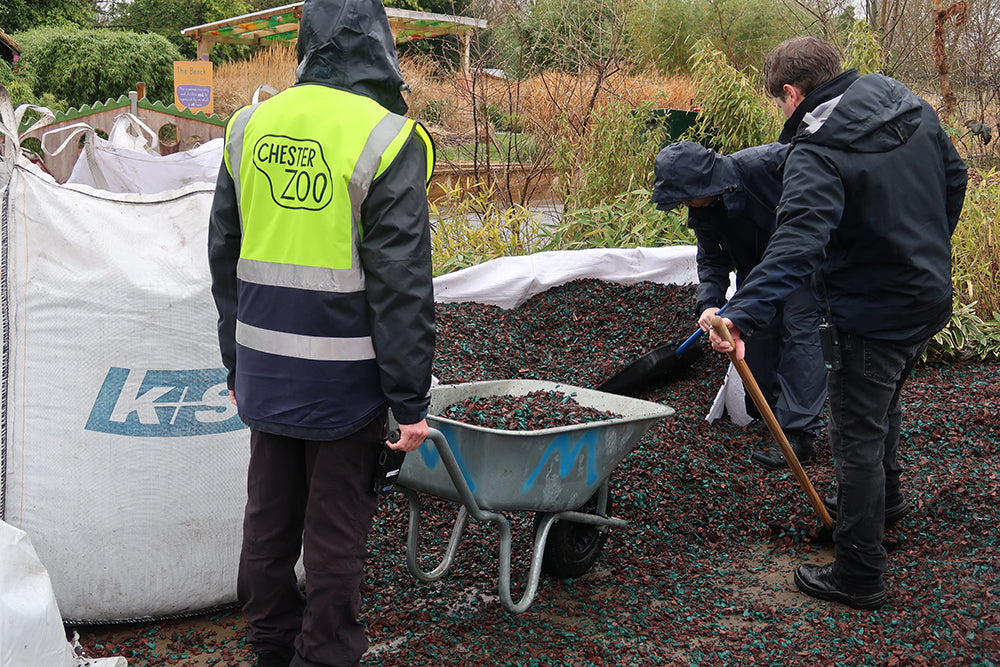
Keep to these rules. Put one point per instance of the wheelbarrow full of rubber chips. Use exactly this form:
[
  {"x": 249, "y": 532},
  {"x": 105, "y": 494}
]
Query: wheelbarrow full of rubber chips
[{"x": 561, "y": 474}]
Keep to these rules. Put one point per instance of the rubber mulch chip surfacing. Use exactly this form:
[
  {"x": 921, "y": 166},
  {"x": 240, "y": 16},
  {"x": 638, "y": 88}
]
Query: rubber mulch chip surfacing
[{"x": 703, "y": 573}]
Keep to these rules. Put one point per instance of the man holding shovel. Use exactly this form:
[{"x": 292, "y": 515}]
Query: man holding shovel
[
  {"x": 732, "y": 201},
  {"x": 872, "y": 191}
]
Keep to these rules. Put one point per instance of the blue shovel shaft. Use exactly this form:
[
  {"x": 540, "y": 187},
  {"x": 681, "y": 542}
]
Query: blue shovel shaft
[{"x": 682, "y": 348}]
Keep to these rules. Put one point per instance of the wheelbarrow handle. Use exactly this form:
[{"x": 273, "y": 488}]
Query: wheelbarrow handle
[
  {"x": 772, "y": 424},
  {"x": 682, "y": 348}
]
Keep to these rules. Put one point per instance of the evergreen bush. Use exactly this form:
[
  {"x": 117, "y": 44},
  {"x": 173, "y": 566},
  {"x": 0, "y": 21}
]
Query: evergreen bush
[
  {"x": 614, "y": 155},
  {"x": 19, "y": 81},
  {"x": 85, "y": 66},
  {"x": 734, "y": 114}
]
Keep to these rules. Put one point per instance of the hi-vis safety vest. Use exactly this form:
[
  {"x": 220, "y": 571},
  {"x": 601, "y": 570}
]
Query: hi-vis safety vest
[{"x": 302, "y": 163}]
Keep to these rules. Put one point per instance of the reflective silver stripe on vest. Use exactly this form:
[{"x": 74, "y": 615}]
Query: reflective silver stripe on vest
[
  {"x": 378, "y": 141},
  {"x": 234, "y": 146},
  {"x": 313, "y": 348},
  {"x": 340, "y": 281}
]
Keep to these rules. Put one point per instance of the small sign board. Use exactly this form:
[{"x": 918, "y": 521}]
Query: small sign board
[{"x": 193, "y": 86}]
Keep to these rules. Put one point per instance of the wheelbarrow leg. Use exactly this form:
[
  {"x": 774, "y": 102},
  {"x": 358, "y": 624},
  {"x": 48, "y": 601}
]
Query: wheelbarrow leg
[
  {"x": 413, "y": 539},
  {"x": 537, "y": 552},
  {"x": 469, "y": 507}
]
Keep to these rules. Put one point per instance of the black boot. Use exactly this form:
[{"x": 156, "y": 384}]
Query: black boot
[
  {"x": 274, "y": 658},
  {"x": 772, "y": 458},
  {"x": 819, "y": 581}
]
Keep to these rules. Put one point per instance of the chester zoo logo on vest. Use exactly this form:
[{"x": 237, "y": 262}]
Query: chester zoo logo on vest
[
  {"x": 164, "y": 404},
  {"x": 297, "y": 171}
]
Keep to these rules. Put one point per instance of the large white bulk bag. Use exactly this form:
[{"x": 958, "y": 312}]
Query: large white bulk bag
[
  {"x": 103, "y": 165},
  {"x": 31, "y": 630},
  {"x": 124, "y": 459}
]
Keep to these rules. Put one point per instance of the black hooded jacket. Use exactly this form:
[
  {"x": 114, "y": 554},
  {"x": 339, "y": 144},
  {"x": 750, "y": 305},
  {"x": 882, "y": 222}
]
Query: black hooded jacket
[
  {"x": 349, "y": 46},
  {"x": 732, "y": 232},
  {"x": 872, "y": 191}
]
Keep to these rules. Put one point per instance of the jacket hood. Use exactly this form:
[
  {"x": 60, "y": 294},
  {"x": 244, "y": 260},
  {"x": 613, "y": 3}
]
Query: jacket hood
[
  {"x": 868, "y": 114},
  {"x": 687, "y": 170},
  {"x": 347, "y": 44}
]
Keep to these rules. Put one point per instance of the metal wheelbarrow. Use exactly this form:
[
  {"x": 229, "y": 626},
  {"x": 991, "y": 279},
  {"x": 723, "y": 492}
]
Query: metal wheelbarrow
[{"x": 561, "y": 474}]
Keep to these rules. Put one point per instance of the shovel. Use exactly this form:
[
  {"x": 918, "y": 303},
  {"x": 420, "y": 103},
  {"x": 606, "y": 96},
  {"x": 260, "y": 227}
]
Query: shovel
[
  {"x": 652, "y": 365},
  {"x": 772, "y": 424}
]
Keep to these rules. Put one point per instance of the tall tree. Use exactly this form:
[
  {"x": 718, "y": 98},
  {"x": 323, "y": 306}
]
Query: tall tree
[
  {"x": 169, "y": 17},
  {"x": 958, "y": 13},
  {"x": 19, "y": 15}
]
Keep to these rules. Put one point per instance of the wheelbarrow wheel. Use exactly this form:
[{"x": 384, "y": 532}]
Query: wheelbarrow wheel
[{"x": 571, "y": 549}]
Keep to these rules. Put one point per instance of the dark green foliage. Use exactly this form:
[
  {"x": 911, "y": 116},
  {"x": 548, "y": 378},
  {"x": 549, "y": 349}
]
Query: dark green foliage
[
  {"x": 169, "y": 17},
  {"x": 438, "y": 110},
  {"x": 17, "y": 15},
  {"x": 614, "y": 156},
  {"x": 501, "y": 120},
  {"x": 20, "y": 82},
  {"x": 663, "y": 32},
  {"x": 86, "y": 66},
  {"x": 453, "y": 7},
  {"x": 19, "y": 87}
]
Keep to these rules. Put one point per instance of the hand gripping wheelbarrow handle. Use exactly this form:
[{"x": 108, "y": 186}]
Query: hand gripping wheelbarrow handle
[{"x": 772, "y": 424}]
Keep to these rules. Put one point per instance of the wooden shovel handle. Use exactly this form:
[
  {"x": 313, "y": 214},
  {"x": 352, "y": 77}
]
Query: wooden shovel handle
[{"x": 772, "y": 424}]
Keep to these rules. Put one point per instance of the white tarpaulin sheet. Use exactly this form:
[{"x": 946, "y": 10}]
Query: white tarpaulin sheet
[{"x": 508, "y": 282}]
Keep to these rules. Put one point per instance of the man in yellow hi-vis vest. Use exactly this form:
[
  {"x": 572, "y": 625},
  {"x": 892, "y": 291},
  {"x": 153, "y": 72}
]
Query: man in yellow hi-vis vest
[{"x": 319, "y": 245}]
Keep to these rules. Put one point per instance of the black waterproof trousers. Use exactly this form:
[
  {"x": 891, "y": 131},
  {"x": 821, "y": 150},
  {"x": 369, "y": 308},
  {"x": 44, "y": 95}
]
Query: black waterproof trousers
[
  {"x": 312, "y": 498},
  {"x": 786, "y": 360},
  {"x": 865, "y": 423}
]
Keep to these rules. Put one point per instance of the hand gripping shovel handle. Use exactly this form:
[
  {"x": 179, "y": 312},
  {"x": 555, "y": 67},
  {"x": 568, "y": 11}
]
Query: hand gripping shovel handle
[
  {"x": 772, "y": 424},
  {"x": 682, "y": 348}
]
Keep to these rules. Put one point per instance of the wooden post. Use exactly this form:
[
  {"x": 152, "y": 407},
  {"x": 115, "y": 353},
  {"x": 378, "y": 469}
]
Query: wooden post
[
  {"x": 466, "y": 39},
  {"x": 204, "y": 47}
]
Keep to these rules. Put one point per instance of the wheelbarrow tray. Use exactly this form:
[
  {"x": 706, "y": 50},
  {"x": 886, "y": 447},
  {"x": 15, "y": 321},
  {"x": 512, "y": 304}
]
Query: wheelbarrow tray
[{"x": 548, "y": 470}]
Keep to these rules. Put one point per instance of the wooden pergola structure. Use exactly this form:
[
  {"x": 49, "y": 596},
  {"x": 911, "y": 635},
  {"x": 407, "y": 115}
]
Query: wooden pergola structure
[{"x": 282, "y": 24}]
